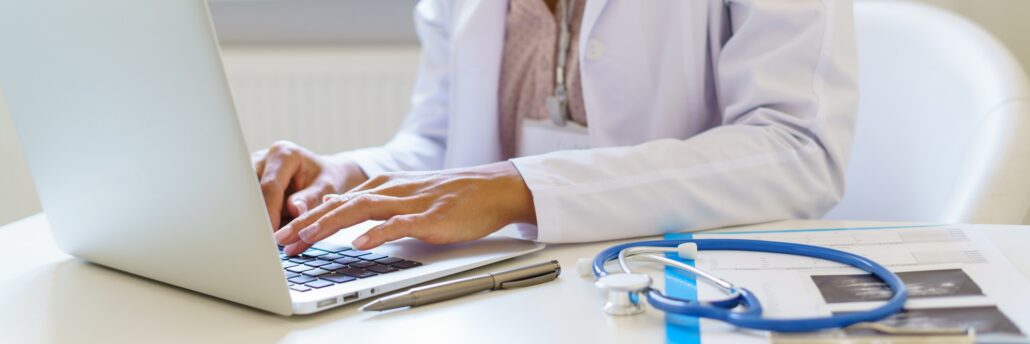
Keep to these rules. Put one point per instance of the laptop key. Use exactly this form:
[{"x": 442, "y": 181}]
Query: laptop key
[
  {"x": 315, "y": 272},
  {"x": 291, "y": 274},
  {"x": 299, "y": 268},
  {"x": 314, "y": 253},
  {"x": 317, "y": 262},
  {"x": 302, "y": 279},
  {"x": 332, "y": 267},
  {"x": 330, "y": 247},
  {"x": 382, "y": 268},
  {"x": 300, "y": 288},
  {"x": 338, "y": 278},
  {"x": 359, "y": 273},
  {"x": 288, "y": 264},
  {"x": 362, "y": 265},
  {"x": 355, "y": 253},
  {"x": 388, "y": 260},
  {"x": 373, "y": 256},
  {"x": 346, "y": 260},
  {"x": 318, "y": 284},
  {"x": 331, "y": 256},
  {"x": 301, "y": 259},
  {"x": 406, "y": 264}
]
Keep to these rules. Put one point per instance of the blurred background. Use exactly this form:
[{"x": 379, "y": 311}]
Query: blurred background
[{"x": 334, "y": 75}]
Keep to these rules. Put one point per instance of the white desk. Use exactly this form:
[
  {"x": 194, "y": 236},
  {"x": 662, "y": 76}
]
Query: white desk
[{"x": 48, "y": 296}]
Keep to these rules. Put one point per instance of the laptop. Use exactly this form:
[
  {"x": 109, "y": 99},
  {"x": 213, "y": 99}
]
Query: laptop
[{"x": 130, "y": 133}]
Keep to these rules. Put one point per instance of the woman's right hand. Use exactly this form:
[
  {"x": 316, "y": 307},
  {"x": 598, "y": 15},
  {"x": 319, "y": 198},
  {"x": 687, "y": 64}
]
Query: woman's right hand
[{"x": 294, "y": 179}]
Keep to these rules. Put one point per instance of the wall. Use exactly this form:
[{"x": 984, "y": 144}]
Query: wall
[
  {"x": 1005, "y": 19},
  {"x": 314, "y": 22}
]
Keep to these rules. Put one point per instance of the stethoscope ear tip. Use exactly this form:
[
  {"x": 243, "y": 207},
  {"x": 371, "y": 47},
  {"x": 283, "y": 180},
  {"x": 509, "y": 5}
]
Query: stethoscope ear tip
[
  {"x": 585, "y": 267},
  {"x": 687, "y": 250}
]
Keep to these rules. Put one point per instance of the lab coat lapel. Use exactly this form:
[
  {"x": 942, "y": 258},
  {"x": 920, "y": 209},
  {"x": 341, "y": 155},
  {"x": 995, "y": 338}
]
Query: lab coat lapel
[
  {"x": 476, "y": 62},
  {"x": 591, "y": 11},
  {"x": 593, "y": 105}
]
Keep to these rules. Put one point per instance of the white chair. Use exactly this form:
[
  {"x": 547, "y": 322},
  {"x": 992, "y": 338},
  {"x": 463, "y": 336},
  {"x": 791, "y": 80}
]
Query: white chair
[{"x": 943, "y": 131}]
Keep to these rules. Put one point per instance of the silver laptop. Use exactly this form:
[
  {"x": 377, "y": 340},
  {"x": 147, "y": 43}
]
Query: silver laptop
[{"x": 126, "y": 120}]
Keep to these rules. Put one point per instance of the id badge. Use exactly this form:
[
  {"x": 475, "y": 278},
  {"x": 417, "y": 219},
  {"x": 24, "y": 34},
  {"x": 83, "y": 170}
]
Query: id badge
[{"x": 543, "y": 136}]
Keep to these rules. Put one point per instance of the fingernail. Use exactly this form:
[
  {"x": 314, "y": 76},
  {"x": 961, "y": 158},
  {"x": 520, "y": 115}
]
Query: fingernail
[
  {"x": 292, "y": 250},
  {"x": 360, "y": 242},
  {"x": 301, "y": 206},
  {"x": 310, "y": 234}
]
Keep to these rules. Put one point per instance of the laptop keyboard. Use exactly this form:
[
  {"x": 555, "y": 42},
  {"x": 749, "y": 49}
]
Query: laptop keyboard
[{"x": 324, "y": 265}]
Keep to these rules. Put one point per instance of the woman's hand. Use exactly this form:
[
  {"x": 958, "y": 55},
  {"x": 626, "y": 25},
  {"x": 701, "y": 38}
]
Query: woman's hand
[
  {"x": 294, "y": 179},
  {"x": 435, "y": 207}
]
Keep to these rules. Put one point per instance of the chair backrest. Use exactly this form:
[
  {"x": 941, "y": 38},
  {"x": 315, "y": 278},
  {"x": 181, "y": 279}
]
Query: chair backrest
[{"x": 943, "y": 130}]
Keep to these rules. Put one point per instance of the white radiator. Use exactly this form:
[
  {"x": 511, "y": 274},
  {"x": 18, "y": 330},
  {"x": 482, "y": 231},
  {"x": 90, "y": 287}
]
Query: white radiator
[{"x": 327, "y": 99}]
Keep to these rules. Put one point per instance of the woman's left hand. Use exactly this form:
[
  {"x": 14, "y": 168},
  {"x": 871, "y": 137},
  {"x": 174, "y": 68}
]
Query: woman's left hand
[{"x": 436, "y": 207}]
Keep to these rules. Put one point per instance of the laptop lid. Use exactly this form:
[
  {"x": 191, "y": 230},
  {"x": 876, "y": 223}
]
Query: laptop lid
[{"x": 128, "y": 127}]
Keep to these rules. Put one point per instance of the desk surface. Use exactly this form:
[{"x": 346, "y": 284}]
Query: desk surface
[{"x": 48, "y": 296}]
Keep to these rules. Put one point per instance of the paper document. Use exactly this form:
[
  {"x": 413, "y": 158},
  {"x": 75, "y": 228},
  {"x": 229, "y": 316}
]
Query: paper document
[{"x": 955, "y": 275}]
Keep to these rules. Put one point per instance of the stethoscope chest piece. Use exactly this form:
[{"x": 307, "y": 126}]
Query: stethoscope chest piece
[{"x": 623, "y": 291}]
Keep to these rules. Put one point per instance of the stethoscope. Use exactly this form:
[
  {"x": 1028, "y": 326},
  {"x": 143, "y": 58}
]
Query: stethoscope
[{"x": 625, "y": 289}]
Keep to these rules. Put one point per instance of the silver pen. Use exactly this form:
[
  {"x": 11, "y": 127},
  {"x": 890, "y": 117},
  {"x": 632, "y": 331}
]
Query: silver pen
[{"x": 507, "y": 279}]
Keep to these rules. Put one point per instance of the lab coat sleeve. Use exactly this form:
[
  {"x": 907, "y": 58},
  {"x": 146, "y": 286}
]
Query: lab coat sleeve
[
  {"x": 786, "y": 83},
  {"x": 420, "y": 143}
]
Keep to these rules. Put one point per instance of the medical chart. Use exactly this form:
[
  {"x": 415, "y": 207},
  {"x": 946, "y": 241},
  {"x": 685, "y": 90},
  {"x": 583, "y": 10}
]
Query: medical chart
[{"x": 955, "y": 275}]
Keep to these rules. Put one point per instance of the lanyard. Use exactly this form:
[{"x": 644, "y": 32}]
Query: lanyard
[{"x": 558, "y": 104}]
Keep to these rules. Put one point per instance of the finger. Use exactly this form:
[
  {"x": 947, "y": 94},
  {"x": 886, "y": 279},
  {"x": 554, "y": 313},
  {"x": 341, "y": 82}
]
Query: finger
[
  {"x": 371, "y": 183},
  {"x": 308, "y": 198},
  {"x": 296, "y": 248},
  {"x": 288, "y": 234},
  {"x": 395, "y": 228},
  {"x": 379, "y": 186},
  {"x": 257, "y": 160},
  {"x": 359, "y": 209},
  {"x": 299, "y": 246},
  {"x": 275, "y": 179}
]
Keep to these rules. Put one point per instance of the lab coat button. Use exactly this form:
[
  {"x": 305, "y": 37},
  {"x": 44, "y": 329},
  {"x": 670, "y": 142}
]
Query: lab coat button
[{"x": 595, "y": 50}]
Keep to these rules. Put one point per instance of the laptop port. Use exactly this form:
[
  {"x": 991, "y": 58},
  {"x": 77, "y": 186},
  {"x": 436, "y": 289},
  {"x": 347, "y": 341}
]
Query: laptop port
[
  {"x": 326, "y": 302},
  {"x": 350, "y": 297}
]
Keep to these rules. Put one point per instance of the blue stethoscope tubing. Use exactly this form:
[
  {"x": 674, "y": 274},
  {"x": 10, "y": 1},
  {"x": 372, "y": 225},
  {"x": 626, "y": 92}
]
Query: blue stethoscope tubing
[{"x": 751, "y": 316}]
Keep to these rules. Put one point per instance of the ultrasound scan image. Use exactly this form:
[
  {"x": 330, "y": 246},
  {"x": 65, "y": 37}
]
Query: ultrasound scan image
[
  {"x": 865, "y": 287},
  {"x": 984, "y": 320}
]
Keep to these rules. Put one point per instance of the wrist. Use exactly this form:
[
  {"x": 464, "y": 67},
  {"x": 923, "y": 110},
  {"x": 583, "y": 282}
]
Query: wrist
[
  {"x": 519, "y": 197},
  {"x": 346, "y": 173}
]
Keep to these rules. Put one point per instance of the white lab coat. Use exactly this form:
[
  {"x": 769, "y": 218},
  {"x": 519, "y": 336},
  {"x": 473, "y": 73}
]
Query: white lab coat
[{"x": 704, "y": 113}]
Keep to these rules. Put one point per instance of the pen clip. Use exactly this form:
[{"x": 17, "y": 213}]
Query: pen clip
[{"x": 550, "y": 276}]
